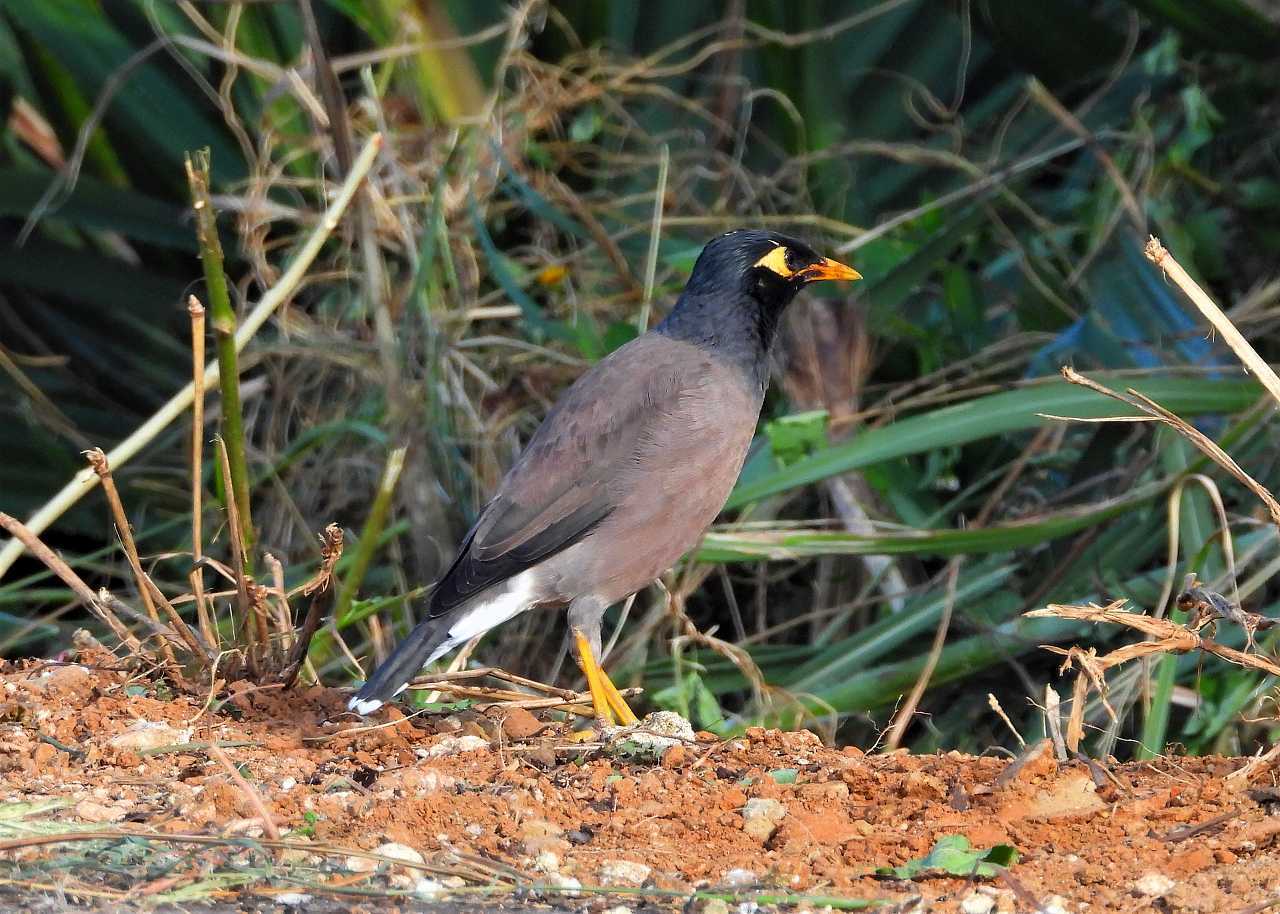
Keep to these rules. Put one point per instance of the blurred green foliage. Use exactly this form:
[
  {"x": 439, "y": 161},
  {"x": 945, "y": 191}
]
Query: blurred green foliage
[{"x": 991, "y": 166}]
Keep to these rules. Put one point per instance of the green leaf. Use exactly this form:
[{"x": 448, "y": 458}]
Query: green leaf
[
  {"x": 586, "y": 124},
  {"x": 785, "y": 545},
  {"x": 985, "y": 417},
  {"x": 954, "y": 856},
  {"x": 798, "y": 435},
  {"x": 94, "y": 204}
]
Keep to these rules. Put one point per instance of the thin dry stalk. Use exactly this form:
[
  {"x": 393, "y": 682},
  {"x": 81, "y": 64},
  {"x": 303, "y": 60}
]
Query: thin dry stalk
[
  {"x": 151, "y": 595},
  {"x": 283, "y": 615},
  {"x": 1171, "y": 637},
  {"x": 903, "y": 718},
  {"x": 1053, "y": 720},
  {"x": 223, "y": 315},
  {"x": 1159, "y": 414},
  {"x": 204, "y": 618},
  {"x": 250, "y": 641},
  {"x": 31, "y": 542},
  {"x": 330, "y": 551},
  {"x": 431, "y": 680},
  {"x": 1256, "y": 764},
  {"x": 254, "y": 798},
  {"x": 994, "y": 704},
  {"x": 1158, "y": 255},
  {"x": 1050, "y": 103},
  {"x": 125, "y": 611}
]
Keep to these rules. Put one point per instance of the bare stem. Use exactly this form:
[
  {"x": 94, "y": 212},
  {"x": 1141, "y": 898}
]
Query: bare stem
[
  {"x": 222, "y": 316},
  {"x": 203, "y": 617},
  {"x": 98, "y": 461},
  {"x": 29, "y": 540},
  {"x": 1158, "y": 255},
  {"x": 249, "y": 640},
  {"x": 330, "y": 552}
]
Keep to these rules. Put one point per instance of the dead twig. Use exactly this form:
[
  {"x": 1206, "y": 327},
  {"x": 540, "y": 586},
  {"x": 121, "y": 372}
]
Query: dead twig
[
  {"x": 151, "y": 594},
  {"x": 32, "y": 543},
  {"x": 1171, "y": 637},
  {"x": 203, "y": 617},
  {"x": 255, "y": 800},
  {"x": 1158, "y": 413},
  {"x": 1158, "y": 255},
  {"x": 331, "y": 542}
]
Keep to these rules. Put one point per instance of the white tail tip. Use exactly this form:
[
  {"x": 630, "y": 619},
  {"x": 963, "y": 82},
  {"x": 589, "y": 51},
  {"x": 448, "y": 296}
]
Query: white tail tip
[{"x": 364, "y": 706}]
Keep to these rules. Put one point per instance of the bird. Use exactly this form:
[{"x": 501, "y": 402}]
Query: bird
[{"x": 626, "y": 471}]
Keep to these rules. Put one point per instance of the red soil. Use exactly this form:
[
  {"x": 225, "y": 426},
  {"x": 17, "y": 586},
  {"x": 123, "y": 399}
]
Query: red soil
[{"x": 528, "y": 798}]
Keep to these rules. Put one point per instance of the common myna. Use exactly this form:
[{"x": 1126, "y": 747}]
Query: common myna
[{"x": 627, "y": 470}]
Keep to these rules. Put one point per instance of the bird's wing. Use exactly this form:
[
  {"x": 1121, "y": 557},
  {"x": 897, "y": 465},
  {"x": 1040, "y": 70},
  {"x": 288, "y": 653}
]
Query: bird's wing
[{"x": 572, "y": 473}]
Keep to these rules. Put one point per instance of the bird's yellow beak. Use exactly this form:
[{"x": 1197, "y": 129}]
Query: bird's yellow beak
[{"x": 828, "y": 269}]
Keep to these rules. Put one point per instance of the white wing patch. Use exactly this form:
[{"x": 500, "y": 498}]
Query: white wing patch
[
  {"x": 513, "y": 600},
  {"x": 517, "y": 597}
]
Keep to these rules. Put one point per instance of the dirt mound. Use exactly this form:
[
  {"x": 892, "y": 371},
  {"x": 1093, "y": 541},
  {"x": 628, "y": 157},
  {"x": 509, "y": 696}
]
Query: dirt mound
[{"x": 436, "y": 806}]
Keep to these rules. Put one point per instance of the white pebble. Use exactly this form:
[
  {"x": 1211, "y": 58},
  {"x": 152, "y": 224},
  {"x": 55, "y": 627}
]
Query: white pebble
[{"x": 1153, "y": 885}]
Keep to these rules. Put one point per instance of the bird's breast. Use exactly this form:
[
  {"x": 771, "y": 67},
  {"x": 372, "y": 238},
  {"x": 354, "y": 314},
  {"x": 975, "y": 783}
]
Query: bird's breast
[{"x": 681, "y": 476}]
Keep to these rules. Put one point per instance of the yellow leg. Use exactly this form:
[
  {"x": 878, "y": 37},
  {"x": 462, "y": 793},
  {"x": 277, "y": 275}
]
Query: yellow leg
[
  {"x": 626, "y": 716},
  {"x": 595, "y": 678}
]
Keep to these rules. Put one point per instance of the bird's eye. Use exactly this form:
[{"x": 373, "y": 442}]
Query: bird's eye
[{"x": 795, "y": 261}]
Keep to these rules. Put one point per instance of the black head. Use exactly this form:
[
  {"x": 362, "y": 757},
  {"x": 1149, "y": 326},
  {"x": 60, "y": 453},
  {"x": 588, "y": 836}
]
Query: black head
[
  {"x": 768, "y": 267},
  {"x": 741, "y": 284}
]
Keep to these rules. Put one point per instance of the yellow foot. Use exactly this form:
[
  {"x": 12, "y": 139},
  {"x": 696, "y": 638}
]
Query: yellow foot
[
  {"x": 605, "y": 697},
  {"x": 617, "y": 703}
]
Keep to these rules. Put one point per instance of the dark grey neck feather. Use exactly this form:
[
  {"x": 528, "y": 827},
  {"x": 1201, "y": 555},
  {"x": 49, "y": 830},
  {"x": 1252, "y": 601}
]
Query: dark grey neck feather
[{"x": 739, "y": 329}]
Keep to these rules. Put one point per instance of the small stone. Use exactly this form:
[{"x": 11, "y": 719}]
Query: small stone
[
  {"x": 422, "y": 781},
  {"x": 547, "y": 862},
  {"x": 540, "y": 835},
  {"x": 399, "y": 852},
  {"x": 829, "y": 791},
  {"x": 453, "y": 745},
  {"x": 568, "y": 886},
  {"x": 428, "y": 889},
  {"x": 977, "y": 903},
  {"x": 623, "y": 872},
  {"x": 653, "y": 736},
  {"x": 518, "y": 724},
  {"x": 453, "y": 882},
  {"x": 715, "y": 906},
  {"x": 1055, "y": 905},
  {"x": 149, "y": 734},
  {"x": 738, "y": 877},
  {"x": 355, "y": 864},
  {"x": 288, "y": 784},
  {"x": 760, "y": 817},
  {"x": 293, "y": 899},
  {"x": 474, "y": 830},
  {"x": 93, "y": 811},
  {"x": 674, "y": 757},
  {"x": 618, "y": 909},
  {"x": 1153, "y": 885}
]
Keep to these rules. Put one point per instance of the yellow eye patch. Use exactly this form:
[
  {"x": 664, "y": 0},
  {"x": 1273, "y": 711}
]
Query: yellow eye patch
[{"x": 776, "y": 260}]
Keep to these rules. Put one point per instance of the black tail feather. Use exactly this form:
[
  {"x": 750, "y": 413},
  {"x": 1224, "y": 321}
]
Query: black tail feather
[{"x": 409, "y": 656}]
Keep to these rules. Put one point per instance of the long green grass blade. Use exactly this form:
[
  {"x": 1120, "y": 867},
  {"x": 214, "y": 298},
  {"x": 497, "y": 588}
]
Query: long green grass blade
[{"x": 997, "y": 414}]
